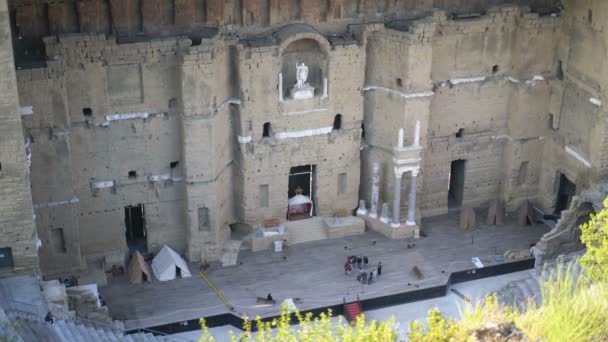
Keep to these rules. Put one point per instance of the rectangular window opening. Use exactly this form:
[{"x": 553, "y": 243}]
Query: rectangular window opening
[
  {"x": 58, "y": 241},
  {"x": 264, "y": 196},
  {"x": 203, "y": 219},
  {"x": 342, "y": 184}
]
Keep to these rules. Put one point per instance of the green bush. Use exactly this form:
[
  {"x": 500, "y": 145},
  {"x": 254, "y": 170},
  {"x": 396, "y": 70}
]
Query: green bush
[
  {"x": 311, "y": 329},
  {"x": 595, "y": 237},
  {"x": 574, "y": 306}
]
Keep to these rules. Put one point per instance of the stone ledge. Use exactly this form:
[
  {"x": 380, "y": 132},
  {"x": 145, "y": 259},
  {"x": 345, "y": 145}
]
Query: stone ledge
[
  {"x": 401, "y": 232},
  {"x": 346, "y": 226}
]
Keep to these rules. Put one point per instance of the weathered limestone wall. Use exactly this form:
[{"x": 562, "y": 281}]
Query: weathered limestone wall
[
  {"x": 266, "y": 161},
  {"x": 578, "y": 102},
  {"x": 207, "y": 141},
  {"x": 55, "y": 202},
  {"x": 134, "y": 19},
  {"x": 477, "y": 75},
  {"x": 398, "y": 92},
  {"x": 77, "y": 144},
  {"x": 103, "y": 109},
  {"x": 498, "y": 114},
  {"x": 17, "y": 229}
]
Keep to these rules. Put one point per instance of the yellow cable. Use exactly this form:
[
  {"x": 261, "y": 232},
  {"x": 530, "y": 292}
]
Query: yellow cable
[{"x": 217, "y": 292}]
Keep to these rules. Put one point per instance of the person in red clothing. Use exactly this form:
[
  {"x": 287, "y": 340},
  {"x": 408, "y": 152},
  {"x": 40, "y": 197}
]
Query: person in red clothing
[{"x": 348, "y": 267}]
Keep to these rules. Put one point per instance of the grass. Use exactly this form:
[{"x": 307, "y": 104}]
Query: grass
[{"x": 573, "y": 309}]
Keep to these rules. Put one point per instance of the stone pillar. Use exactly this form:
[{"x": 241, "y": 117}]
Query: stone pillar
[
  {"x": 397, "y": 199},
  {"x": 384, "y": 217},
  {"x": 411, "y": 209},
  {"x": 400, "y": 141},
  {"x": 373, "y": 211},
  {"x": 362, "y": 210},
  {"x": 325, "y": 88},
  {"x": 417, "y": 134},
  {"x": 280, "y": 87}
]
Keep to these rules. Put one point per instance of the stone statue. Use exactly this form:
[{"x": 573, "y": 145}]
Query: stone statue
[
  {"x": 302, "y": 90},
  {"x": 301, "y": 75}
]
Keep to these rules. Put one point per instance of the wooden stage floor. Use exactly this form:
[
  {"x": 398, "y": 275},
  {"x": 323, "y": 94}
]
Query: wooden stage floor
[{"x": 314, "y": 272}]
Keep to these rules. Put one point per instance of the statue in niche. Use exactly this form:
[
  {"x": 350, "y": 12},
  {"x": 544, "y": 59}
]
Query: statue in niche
[
  {"x": 302, "y": 90},
  {"x": 301, "y": 75}
]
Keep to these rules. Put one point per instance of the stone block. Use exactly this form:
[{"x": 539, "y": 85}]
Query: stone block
[
  {"x": 339, "y": 227},
  {"x": 525, "y": 214},
  {"x": 185, "y": 12},
  {"x": 496, "y": 213},
  {"x": 215, "y": 12},
  {"x": 401, "y": 232},
  {"x": 311, "y": 10},
  {"x": 468, "y": 219}
]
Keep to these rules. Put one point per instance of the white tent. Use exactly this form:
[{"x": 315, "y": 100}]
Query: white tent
[{"x": 166, "y": 262}]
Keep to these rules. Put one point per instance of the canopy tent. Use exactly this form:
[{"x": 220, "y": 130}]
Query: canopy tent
[
  {"x": 138, "y": 268},
  {"x": 165, "y": 264}
]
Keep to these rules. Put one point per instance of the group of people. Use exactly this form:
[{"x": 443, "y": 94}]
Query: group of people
[{"x": 361, "y": 264}]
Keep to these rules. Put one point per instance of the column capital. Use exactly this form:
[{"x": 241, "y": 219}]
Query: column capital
[
  {"x": 415, "y": 172},
  {"x": 398, "y": 172}
]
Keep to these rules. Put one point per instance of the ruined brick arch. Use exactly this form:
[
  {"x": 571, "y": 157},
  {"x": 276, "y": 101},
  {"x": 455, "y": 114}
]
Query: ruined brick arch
[{"x": 311, "y": 49}]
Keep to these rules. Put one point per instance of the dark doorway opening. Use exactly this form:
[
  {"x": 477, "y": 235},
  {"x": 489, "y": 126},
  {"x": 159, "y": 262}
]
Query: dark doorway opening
[
  {"x": 338, "y": 122},
  {"x": 456, "y": 181},
  {"x": 302, "y": 180},
  {"x": 566, "y": 191},
  {"x": 136, "y": 228},
  {"x": 6, "y": 258}
]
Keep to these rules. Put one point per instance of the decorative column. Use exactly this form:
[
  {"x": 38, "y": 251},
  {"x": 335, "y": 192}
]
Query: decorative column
[
  {"x": 373, "y": 211},
  {"x": 411, "y": 209},
  {"x": 384, "y": 217},
  {"x": 397, "y": 199},
  {"x": 280, "y": 87},
  {"x": 325, "y": 88},
  {"x": 362, "y": 210},
  {"x": 417, "y": 134},
  {"x": 400, "y": 141}
]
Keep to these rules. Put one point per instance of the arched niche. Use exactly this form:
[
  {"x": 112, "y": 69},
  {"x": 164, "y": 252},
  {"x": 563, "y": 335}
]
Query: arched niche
[{"x": 310, "y": 52}]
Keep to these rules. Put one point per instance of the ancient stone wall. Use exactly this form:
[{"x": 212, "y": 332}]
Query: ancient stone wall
[
  {"x": 204, "y": 134},
  {"x": 133, "y": 19},
  {"x": 55, "y": 202},
  {"x": 576, "y": 145},
  {"x": 302, "y": 131},
  {"x": 17, "y": 230}
]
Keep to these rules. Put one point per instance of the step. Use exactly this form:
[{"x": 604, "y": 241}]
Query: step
[
  {"x": 534, "y": 286},
  {"x": 65, "y": 329},
  {"x": 352, "y": 310}
]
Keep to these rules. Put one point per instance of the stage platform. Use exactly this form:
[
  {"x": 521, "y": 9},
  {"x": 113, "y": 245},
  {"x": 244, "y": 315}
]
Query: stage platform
[{"x": 314, "y": 273}]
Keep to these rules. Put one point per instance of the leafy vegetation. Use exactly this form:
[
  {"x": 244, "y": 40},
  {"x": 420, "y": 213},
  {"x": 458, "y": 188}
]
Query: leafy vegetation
[
  {"x": 595, "y": 237},
  {"x": 311, "y": 329},
  {"x": 574, "y": 304}
]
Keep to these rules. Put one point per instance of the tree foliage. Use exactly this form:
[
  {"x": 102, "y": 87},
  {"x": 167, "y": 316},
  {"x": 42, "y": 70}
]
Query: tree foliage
[
  {"x": 311, "y": 329},
  {"x": 595, "y": 237}
]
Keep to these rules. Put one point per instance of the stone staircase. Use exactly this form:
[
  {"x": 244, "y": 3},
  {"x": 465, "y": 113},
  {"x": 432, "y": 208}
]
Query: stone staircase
[
  {"x": 352, "y": 311},
  {"x": 34, "y": 330},
  {"x": 518, "y": 293},
  {"x": 307, "y": 230}
]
